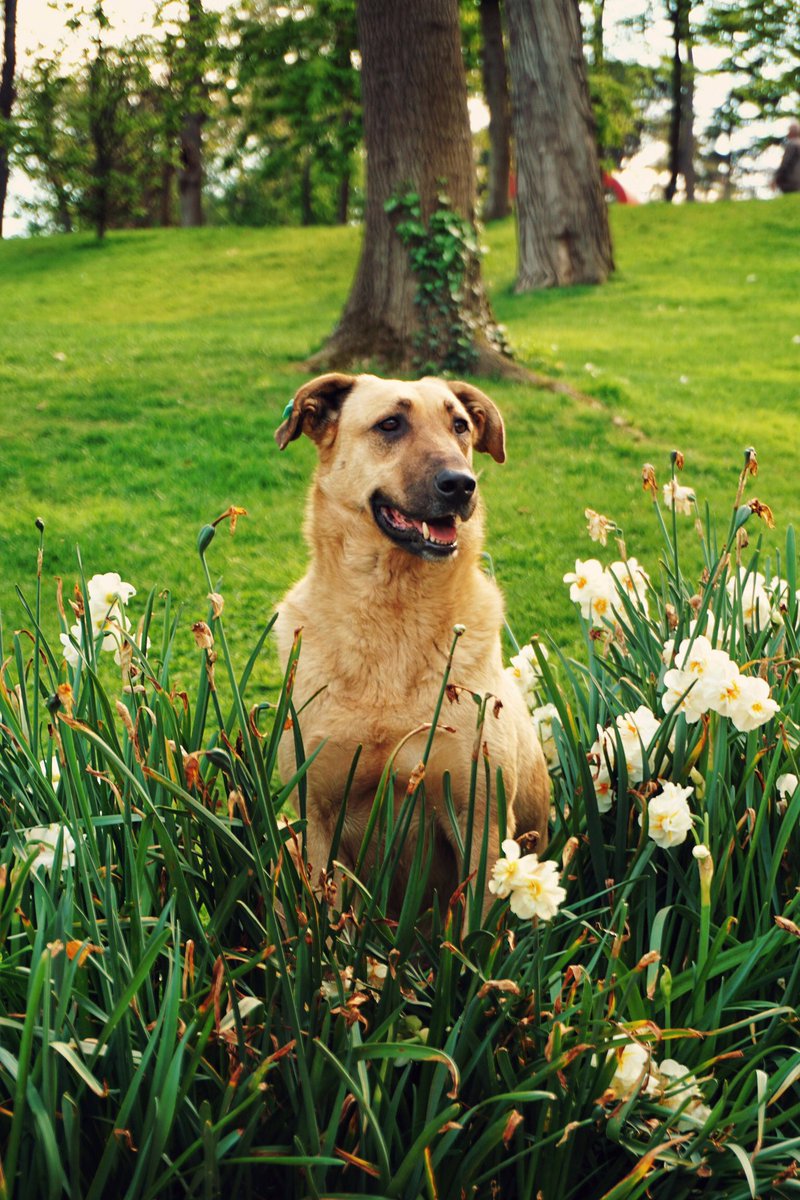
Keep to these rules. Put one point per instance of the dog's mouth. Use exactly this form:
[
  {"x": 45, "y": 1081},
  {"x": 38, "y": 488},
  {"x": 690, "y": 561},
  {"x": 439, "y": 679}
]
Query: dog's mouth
[{"x": 430, "y": 537}]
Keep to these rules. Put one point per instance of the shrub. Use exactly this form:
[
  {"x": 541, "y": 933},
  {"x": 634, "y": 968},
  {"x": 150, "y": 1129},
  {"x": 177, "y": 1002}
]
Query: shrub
[{"x": 186, "y": 1012}]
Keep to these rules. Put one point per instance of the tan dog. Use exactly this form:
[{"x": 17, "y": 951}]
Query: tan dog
[{"x": 395, "y": 531}]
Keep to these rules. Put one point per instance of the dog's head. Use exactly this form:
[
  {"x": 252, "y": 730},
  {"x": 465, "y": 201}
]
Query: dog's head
[{"x": 398, "y": 453}]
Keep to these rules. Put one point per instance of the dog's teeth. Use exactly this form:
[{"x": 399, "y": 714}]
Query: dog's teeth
[{"x": 426, "y": 533}]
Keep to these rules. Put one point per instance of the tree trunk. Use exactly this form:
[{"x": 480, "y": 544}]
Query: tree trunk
[
  {"x": 417, "y": 136},
  {"x": 306, "y": 193},
  {"x": 495, "y": 90},
  {"x": 681, "y": 131},
  {"x": 686, "y": 142},
  {"x": 190, "y": 172},
  {"x": 598, "y": 33},
  {"x": 343, "y": 194},
  {"x": 564, "y": 236},
  {"x": 165, "y": 192},
  {"x": 7, "y": 94}
]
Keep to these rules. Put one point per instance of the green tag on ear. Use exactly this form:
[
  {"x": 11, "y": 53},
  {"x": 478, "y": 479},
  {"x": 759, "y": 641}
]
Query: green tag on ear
[{"x": 287, "y": 412}]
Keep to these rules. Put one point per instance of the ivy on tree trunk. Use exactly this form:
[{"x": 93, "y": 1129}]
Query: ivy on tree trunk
[{"x": 417, "y": 136}]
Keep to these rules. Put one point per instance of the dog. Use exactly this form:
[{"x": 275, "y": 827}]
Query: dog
[{"x": 395, "y": 529}]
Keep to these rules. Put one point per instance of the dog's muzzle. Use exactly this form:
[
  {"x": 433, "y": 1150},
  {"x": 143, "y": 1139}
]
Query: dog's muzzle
[{"x": 431, "y": 531}]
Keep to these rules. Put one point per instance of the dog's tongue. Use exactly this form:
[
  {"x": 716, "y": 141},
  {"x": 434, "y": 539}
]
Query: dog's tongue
[{"x": 440, "y": 531}]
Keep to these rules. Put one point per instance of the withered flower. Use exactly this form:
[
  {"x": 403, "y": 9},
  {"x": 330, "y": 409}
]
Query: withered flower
[
  {"x": 649, "y": 479},
  {"x": 204, "y": 638}
]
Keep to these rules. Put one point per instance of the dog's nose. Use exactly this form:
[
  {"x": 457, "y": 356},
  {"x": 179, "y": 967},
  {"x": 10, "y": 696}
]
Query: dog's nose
[{"x": 454, "y": 486}]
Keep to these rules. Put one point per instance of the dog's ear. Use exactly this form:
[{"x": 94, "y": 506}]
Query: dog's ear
[
  {"x": 314, "y": 407},
  {"x": 490, "y": 434}
]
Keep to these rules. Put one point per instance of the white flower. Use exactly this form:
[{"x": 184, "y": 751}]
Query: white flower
[
  {"x": 678, "y": 1086},
  {"x": 632, "y": 580},
  {"x": 51, "y": 770},
  {"x": 754, "y": 705},
  {"x": 669, "y": 816},
  {"x": 539, "y": 893},
  {"x": 786, "y": 786},
  {"x": 633, "y": 1072},
  {"x": 108, "y": 591},
  {"x": 750, "y": 586},
  {"x": 599, "y": 526},
  {"x": 543, "y": 724},
  {"x": 637, "y": 730},
  {"x": 46, "y": 838},
  {"x": 722, "y": 687},
  {"x": 71, "y": 653},
  {"x": 113, "y": 625},
  {"x": 510, "y": 872},
  {"x": 701, "y": 853},
  {"x": 708, "y": 672},
  {"x": 526, "y": 672},
  {"x": 679, "y": 497},
  {"x": 604, "y": 793},
  {"x": 585, "y": 581}
]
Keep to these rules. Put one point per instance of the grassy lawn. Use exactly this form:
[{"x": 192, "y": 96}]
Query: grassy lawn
[{"x": 142, "y": 381}]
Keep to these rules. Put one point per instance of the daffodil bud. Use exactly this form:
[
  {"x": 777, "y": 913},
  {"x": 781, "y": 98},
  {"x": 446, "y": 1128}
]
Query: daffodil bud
[{"x": 205, "y": 538}]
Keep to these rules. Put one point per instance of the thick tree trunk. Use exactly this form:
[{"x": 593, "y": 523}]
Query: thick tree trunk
[
  {"x": 7, "y": 93},
  {"x": 495, "y": 90},
  {"x": 417, "y": 136},
  {"x": 564, "y": 236}
]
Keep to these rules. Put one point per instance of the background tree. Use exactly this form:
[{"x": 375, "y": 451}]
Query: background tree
[
  {"x": 762, "y": 51},
  {"x": 297, "y": 109},
  {"x": 495, "y": 90},
  {"x": 7, "y": 96},
  {"x": 418, "y": 143},
  {"x": 53, "y": 144},
  {"x": 563, "y": 230},
  {"x": 681, "y": 126},
  {"x": 188, "y": 51}
]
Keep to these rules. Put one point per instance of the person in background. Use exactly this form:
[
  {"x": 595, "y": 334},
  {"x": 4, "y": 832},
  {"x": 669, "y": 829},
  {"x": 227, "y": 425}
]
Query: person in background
[{"x": 787, "y": 176}]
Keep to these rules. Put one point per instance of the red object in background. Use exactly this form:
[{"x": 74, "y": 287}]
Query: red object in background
[{"x": 610, "y": 185}]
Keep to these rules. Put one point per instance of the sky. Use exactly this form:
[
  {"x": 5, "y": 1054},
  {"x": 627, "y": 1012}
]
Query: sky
[{"x": 41, "y": 28}]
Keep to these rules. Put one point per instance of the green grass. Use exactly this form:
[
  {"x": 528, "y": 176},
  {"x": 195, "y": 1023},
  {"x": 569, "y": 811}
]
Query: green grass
[{"x": 181, "y": 348}]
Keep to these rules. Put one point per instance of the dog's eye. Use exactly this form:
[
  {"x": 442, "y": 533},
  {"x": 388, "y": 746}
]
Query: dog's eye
[
  {"x": 460, "y": 425},
  {"x": 389, "y": 425}
]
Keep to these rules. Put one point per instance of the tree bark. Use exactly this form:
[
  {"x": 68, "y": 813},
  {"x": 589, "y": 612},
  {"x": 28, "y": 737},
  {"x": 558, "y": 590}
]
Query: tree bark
[
  {"x": 417, "y": 136},
  {"x": 686, "y": 143},
  {"x": 190, "y": 171},
  {"x": 7, "y": 94},
  {"x": 681, "y": 126},
  {"x": 495, "y": 90},
  {"x": 563, "y": 231}
]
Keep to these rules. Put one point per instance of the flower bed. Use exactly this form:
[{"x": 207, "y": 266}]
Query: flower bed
[{"x": 185, "y": 1011}]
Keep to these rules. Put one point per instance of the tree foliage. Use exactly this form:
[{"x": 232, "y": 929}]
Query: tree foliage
[
  {"x": 762, "y": 43},
  {"x": 295, "y": 100}
]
